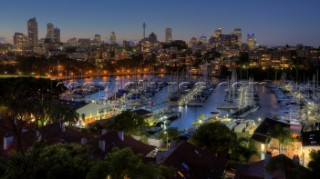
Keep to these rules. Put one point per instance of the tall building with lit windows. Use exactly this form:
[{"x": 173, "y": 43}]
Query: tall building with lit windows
[
  {"x": 19, "y": 41},
  {"x": 251, "y": 41},
  {"x": 56, "y": 35},
  {"x": 33, "y": 33},
  {"x": 113, "y": 39},
  {"x": 168, "y": 35},
  {"x": 238, "y": 33},
  {"x": 50, "y": 29},
  {"x": 217, "y": 33}
]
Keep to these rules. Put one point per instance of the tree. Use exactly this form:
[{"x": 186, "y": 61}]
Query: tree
[
  {"x": 129, "y": 122},
  {"x": 283, "y": 134},
  {"x": 56, "y": 161},
  {"x": 314, "y": 164},
  {"x": 244, "y": 150},
  {"x": 123, "y": 163},
  {"x": 216, "y": 136},
  {"x": 171, "y": 133}
]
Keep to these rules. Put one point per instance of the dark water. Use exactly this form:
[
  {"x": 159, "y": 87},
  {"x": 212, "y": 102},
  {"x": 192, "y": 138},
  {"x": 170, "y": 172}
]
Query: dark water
[{"x": 188, "y": 114}]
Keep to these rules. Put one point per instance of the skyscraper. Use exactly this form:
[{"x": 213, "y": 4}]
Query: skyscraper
[
  {"x": 19, "y": 41},
  {"x": 217, "y": 33},
  {"x": 32, "y": 33},
  {"x": 168, "y": 35},
  {"x": 251, "y": 41},
  {"x": 113, "y": 39},
  {"x": 50, "y": 34},
  {"x": 238, "y": 33},
  {"x": 144, "y": 30},
  {"x": 97, "y": 38},
  {"x": 56, "y": 35}
]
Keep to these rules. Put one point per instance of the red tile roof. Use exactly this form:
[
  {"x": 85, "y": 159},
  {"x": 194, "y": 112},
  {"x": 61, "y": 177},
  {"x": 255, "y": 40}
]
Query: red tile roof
[{"x": 192, "y": 161}]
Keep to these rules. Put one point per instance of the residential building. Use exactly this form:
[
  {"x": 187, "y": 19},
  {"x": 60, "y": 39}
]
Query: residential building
[{"x": 19, "y": 41}]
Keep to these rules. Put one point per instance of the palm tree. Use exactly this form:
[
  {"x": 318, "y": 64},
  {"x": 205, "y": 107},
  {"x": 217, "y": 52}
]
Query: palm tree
[{"x": 283, "y": 134}]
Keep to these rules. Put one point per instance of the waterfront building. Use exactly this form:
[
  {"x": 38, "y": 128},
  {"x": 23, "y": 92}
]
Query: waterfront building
[
  {"x": 251, "y": 41},
  {"x": 19, "y": 41},
  {"x": 56, "y": 35},
  {"x": 168, "y": 35},
  {"x": 33, "y": 33},
  {"x": 50, "y": 33}
]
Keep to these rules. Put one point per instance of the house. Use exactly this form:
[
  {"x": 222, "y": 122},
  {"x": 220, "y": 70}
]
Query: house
[
  {"x": 277, "y": 167},
  {"x": 265, "y": 142},
  {"x": 8, "y": 139},
  {"x": 108, "y": 140},
  {"x": 58, "y": 132},
  {"x": 310, "y": 141},
  {"x": 192, "y": 161}
]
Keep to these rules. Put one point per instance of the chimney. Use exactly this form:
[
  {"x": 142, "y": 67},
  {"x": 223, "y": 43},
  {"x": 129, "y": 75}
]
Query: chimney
[
  {"x": 267, "y": 174},
  {"x": 83, "y": 141},
  {"x": 62, "y": 127},
  {"x": 38, "y": 134},
  {"x": 7, "y": 141},
  {"x": 104, "y": 131},
  {"x": 296, "y": 160},
  {"x": 102, "y": 145},
  {"x": 121, "y": 135}
]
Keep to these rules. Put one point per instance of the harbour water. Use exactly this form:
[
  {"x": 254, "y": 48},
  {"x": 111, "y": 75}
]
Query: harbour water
[{"x": 268, "y": 101}]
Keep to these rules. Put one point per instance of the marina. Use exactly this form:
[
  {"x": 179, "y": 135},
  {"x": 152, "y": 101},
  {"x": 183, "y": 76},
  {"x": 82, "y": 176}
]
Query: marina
[{"x": 153, "y": 94}]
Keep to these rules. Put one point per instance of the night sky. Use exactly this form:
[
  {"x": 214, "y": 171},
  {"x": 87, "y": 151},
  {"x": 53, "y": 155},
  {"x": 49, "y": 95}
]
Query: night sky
[{"x": 274, "y": 22}]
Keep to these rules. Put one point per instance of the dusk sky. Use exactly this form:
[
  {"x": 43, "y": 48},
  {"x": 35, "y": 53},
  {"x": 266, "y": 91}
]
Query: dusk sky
[{"x": 274, "y": 22}]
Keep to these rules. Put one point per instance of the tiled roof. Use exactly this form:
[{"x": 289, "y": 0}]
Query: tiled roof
[
  {"x": 113, "y": 139},
  {"x": 284, "y": 168},
  {"x": 192, "y": 161},
  {"x": 263, "y": 131}
]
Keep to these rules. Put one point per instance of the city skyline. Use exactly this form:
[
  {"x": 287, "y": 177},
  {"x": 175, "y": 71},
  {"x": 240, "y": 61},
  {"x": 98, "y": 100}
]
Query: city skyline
[{"x": 272, "y": 22}]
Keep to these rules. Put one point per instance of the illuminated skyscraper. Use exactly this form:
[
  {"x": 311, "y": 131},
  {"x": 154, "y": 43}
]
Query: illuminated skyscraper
[
  {"x": 113, "y": 39},
  {"x": 168, "y": 35},
  {"x": 56, "y": 35},
  {"x": 238, "y": 33},
  {"x": 251, "y": 41},
  {"x": 32, "y": 33},
  {"x": 217, "y": 33},
  {"x": 50, "y": 28},
  {"x": 144, "y": 30},
  {"x": 19, "y": 41},
  {"x": 97, "y": 38},
  {"x": 203, "y": 39}
]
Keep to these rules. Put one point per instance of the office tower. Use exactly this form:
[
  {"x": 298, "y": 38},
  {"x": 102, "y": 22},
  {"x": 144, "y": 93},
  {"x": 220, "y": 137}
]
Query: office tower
[
  {"x": 217, "y": 33},
  {"x": 50, "y": 34},
  {"x": 56, "y": 35},
  {"x": 144, "y": 30},
  {"x": 168, "y": 35},
  {"x": 203, "y": 39},
  {"x": 32, "y": 33},
  {"x": 19, "y": 41},
  {"x": 113, "y": 39},
  {"x": 238, "y": 33},
  {"x": 97, "y": 38},
  {"x": 251, "y": 41}
]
